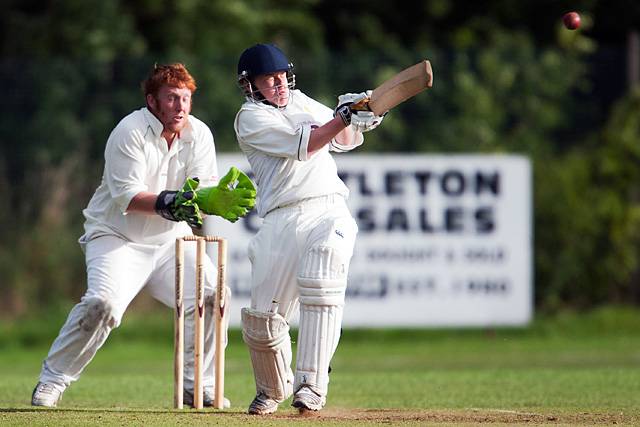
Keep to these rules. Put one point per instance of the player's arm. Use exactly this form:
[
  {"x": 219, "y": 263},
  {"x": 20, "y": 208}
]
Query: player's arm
[
  {"x": 323, "y": 135},
  {"x": 347, "y": 140},
  {"x": 265, "y": 131},
  {"x": 143, "y": 203},
  {"x": 347, "y": 125},
  {"x": 125, "y": 168}
]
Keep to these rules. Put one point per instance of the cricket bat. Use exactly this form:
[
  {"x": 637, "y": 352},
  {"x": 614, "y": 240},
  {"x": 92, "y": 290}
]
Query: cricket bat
[{"x": 404, "y": 85}]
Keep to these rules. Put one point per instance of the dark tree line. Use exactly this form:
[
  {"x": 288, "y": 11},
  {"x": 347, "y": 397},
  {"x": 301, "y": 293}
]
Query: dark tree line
[{"x": 508, "y": 78}]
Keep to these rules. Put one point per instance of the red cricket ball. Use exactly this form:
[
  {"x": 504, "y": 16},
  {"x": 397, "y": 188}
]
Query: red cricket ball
[{"x": 571, "y": 20}]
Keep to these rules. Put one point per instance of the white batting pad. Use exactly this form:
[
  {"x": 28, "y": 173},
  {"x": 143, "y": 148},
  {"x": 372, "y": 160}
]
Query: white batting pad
[
  {"x": 267, "y": 336},
  {"x": 318, "y": 338},
  {"x": 322, "y": 282}
]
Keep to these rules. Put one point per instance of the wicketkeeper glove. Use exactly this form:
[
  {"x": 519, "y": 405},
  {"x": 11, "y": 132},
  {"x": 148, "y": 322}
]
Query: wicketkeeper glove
[
  {"x": 180, "y": 205},
  {"x": 232, "y": 198}
]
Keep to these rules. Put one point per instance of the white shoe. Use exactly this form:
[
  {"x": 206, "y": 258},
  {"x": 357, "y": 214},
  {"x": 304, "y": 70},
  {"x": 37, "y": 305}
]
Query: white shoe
[
  {"x": 46, "y": 395},
  {"x": 306, "y": 399},
  {"x": 262, "y": 405},
  {"x": 207, "y": 400}
]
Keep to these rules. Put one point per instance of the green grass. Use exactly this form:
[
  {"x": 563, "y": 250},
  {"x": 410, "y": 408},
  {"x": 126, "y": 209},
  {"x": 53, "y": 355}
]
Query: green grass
[{"x": 572, "y": 366}]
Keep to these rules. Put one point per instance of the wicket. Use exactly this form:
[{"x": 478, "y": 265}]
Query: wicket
[{"x": 219, "y": 309}]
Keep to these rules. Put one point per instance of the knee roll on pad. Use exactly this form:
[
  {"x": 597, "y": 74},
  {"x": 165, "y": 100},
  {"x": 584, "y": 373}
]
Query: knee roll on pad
[
  {"x": 98, "y": 313},
  {"x": 322, "y": 278},
  {"x": 267, "y": 336},
  {"x": 324, "y": 262}
]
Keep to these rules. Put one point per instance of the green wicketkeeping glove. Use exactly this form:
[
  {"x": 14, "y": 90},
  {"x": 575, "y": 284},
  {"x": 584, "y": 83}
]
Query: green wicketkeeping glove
[
  {"x": 232, "y": 198},
  {"x": 180, "y": 205}
]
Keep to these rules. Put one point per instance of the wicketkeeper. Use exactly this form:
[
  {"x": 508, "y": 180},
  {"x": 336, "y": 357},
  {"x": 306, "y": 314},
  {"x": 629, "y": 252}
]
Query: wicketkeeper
[
  {"x": 301, "y": 254},
  {"x": 159, "y": 179}
]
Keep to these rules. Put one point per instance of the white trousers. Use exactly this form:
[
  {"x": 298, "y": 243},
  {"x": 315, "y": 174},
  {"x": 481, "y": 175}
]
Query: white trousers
[
  {"x": 280, "y": 249},
  {"x": 300, "y": 257},
  {"x": 117, "y": 271}
]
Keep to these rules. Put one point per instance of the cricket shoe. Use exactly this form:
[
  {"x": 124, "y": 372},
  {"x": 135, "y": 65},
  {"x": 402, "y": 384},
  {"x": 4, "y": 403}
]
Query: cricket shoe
[
  {"x": 262, "y": 405},
  {"x": 46, "y": 394},
  {"x": 207, "y": 400},
  {"x": 306, "y": 399}
]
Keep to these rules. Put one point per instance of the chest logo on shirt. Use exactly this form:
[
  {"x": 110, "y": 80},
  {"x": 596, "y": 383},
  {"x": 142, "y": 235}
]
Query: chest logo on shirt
[{"x": 339, "y": 233}]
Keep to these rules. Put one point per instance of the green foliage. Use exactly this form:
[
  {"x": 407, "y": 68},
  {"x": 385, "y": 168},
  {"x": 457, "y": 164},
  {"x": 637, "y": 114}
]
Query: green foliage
[
  {"x": 507, "y": 79},
  {"x": 588, "y": 226}
]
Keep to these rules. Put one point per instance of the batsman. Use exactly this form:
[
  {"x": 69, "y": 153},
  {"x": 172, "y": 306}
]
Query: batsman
[
  {"x": 160, "y": 178},
  {"x": 300, "y": 256}
]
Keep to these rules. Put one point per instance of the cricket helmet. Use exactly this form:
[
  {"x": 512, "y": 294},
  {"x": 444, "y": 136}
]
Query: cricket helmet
[{"x": 262, "y": 59}]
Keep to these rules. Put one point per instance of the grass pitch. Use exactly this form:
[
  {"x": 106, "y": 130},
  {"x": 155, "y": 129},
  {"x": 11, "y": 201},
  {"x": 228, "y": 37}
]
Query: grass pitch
[{"x": 566, "y": 370}]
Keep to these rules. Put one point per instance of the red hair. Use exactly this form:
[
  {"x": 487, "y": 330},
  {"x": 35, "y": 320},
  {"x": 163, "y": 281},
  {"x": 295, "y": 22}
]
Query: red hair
[{"x": 172, "y": 75}]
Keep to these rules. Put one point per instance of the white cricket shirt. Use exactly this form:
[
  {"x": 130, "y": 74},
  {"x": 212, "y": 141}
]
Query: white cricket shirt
[
  {"x": 137, "y": 159},
  {"x": 275, "y": 141}
]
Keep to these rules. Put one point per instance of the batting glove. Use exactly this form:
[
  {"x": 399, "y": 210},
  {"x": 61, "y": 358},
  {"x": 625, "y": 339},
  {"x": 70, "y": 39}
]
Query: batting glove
[{"x": 346, "y": 102}]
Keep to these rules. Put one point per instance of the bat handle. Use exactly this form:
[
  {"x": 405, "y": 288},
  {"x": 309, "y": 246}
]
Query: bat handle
[{"x": 361, "y": 105}]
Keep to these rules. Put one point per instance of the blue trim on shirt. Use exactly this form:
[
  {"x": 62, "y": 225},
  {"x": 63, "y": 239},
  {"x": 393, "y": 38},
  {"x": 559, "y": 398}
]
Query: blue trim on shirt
[{"x": 300, "y": 143}]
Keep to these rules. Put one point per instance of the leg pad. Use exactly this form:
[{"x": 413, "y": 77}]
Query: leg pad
[{"x": 267, "y": 336}]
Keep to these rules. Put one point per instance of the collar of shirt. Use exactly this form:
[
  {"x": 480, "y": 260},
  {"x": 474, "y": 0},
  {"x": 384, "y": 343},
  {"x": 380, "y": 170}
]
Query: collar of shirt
[{"x": 156, "y": 127}]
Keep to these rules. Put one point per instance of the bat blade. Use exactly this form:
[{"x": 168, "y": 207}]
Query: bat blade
[{"x": 404, "y": 85}]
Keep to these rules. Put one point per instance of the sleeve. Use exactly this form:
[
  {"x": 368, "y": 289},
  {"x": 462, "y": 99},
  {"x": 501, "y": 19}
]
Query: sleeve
[
  {"x": 203, "y": 162},
  {"x": 339, "y": 148},
  {"x": 125, "y": 165},
  {"x": 265, "y": 132}
]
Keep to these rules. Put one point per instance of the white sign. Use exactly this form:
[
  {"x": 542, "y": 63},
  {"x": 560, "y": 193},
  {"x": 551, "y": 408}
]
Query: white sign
[{"x": 443, "y": 240}]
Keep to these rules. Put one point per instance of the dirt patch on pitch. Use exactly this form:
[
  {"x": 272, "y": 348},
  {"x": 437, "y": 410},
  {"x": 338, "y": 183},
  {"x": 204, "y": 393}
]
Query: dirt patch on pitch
[{"x": 463, "y": 417}]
